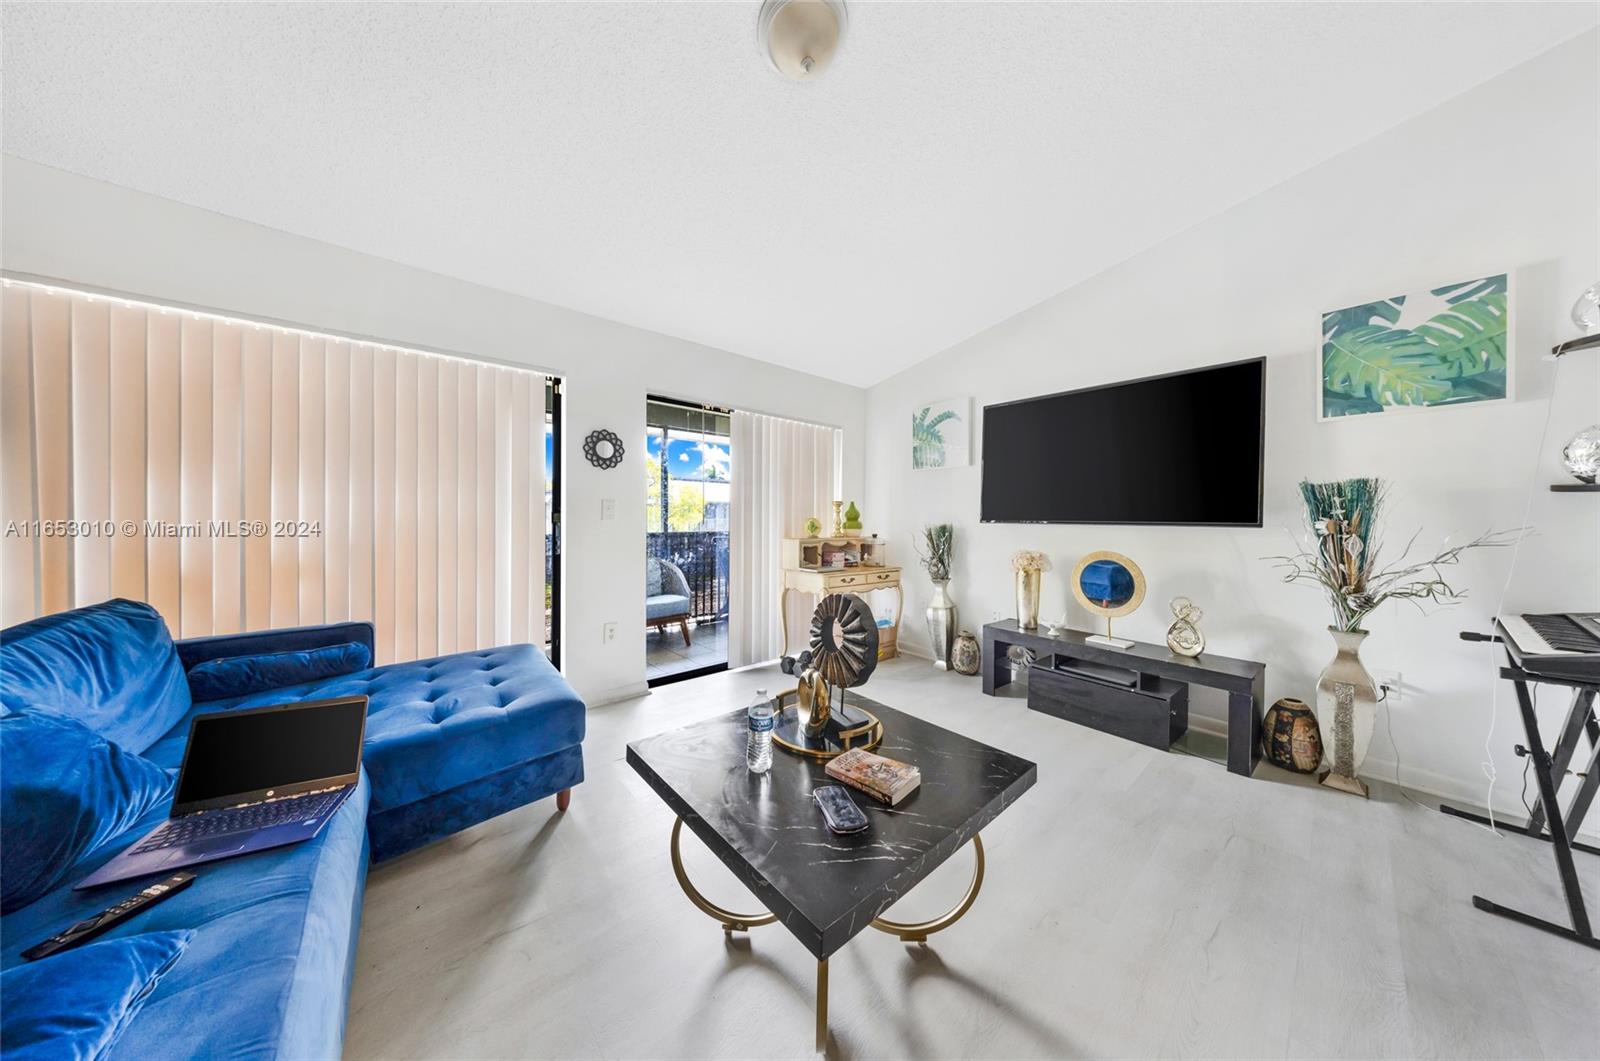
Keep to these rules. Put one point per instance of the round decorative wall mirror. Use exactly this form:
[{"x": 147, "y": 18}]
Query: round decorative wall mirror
[
  {"x": 1108, "y": 584},
  {"x": 603, "y": 449}
]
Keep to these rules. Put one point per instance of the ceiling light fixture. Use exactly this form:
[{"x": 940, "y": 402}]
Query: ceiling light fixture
[{"x": 800, "y": 37}]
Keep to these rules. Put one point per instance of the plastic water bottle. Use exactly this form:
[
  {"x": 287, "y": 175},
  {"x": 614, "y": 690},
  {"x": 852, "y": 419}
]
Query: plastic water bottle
[{"x": 758, "y": 750}]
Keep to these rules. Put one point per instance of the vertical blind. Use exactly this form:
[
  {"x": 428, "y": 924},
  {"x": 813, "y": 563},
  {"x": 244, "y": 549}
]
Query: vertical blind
[
  {"x": 783, "y": 472},
  {"x": 241, "y": 476}
]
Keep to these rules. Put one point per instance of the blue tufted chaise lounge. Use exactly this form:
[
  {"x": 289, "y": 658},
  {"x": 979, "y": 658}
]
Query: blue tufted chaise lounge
[{"x": 269, "y": 938}]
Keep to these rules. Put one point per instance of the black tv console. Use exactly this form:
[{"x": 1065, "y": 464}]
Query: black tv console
[{"x": 1245, "y": 681}]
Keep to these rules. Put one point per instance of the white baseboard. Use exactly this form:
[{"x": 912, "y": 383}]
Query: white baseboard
[
  {"x": 616, "y": 693},
  {"x": 1507, "y": 791}
]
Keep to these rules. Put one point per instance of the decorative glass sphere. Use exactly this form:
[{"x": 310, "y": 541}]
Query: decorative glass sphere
[
  {"x": 1582, "y": 454},
  {"x": 1586, "y": 311}
]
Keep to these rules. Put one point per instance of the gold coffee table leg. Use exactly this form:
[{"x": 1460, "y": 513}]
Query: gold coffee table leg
[
  {"x": 822, "y": 1005},
  {"x": 919, "y": 932},
  {"x": 731, "y": 921}
]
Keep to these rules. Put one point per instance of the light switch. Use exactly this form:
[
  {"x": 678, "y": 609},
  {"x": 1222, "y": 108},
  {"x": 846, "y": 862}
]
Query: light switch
[{"x": 608, "y": 508}]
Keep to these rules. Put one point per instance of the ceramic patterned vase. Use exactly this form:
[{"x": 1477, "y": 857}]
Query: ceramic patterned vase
[
  {"x": 1347, "y": 709},
  {"x": 941, "y": 623},
  {"x": 1289, "y": 737},
  {"x": 966, "y": 655},
  {"x": 1028, "y": 599}
]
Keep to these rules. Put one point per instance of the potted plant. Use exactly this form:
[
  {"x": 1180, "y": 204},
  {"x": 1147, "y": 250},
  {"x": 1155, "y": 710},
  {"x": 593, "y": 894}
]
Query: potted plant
[
  {"x": 934, "y": 551},
  {"x": 1342, "y": 557}
]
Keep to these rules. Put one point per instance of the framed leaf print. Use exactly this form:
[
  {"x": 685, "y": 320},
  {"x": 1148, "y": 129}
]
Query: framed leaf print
[
  {"x": 1448, "y": 345},
  {"x": 941, "y": 434}
]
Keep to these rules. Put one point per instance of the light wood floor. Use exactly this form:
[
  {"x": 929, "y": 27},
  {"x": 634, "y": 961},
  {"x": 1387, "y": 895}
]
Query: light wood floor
[{"x": 1137, "y": 904}]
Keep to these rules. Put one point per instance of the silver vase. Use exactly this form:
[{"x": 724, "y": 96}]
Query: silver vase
[
  {"x": 941, "y": 623},
  {"x": 1347, "y": 709},
  {"x": 1028, "y": 599}
]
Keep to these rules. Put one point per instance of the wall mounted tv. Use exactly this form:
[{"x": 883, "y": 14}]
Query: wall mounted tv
[{"x": 1183, "y": 449}]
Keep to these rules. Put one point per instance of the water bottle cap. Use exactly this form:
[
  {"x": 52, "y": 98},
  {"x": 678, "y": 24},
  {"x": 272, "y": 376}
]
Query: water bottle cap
[{"x": 761, "y": 692}]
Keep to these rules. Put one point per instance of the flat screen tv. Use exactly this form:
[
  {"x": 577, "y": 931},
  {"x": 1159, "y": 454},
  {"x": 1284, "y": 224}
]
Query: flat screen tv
[{"x": 1183, "y": 449}]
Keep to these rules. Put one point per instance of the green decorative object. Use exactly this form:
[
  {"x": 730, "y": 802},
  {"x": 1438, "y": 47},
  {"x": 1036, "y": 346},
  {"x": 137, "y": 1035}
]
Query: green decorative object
[
  {"x": 852, "y": 519},
  {"x": 813, "y": 527},
  {"x": 1447, "y": 345}
]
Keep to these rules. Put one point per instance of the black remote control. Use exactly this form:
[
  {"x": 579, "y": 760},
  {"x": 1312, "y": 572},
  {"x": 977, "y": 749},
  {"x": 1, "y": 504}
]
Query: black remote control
[{"x": 110, "y": 917}]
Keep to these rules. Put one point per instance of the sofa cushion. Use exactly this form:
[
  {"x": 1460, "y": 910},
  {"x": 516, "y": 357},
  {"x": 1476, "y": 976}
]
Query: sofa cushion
[
  {"x": 652, "y": 577},
  {"x": 110, "y": 665},
  {"x": 216, "y": 679},
  {"x": 267, "y": 973},
  {"x": 66, "y": 792},
  {"x": 665, "y": 606},
  {"x": 76, "y": 1004},
  {"x": 434, "y": 724}
]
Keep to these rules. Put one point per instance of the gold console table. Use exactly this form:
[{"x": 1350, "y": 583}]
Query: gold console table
[{"x": 805, "y": 570}]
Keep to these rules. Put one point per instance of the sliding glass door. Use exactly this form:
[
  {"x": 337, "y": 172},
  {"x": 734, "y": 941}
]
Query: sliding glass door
[
  {"x": 552, "y": 519},
  {"x": 687, "y": 486}
]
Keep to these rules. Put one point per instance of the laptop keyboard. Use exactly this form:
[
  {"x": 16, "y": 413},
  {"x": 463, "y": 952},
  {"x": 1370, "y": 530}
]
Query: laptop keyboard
[{"x": 206, "y": 824}]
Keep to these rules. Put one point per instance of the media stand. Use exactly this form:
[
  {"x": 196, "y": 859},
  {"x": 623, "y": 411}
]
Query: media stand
[{"x": 1245, "y": 681}]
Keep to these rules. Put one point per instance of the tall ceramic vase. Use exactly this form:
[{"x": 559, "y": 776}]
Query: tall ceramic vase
[
  {"x": 1347, "y": 709},
  {"x": 1028, "y": 599},
  {"x": 941, "y": 623}
]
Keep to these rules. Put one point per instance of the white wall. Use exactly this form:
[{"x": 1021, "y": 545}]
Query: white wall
[
  {"x": 1504, "y": 177},
  {"x": 80, "y": 231}
]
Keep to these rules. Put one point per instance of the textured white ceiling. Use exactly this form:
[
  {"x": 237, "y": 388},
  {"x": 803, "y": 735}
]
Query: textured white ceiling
[{"x": 959, "y": 163}]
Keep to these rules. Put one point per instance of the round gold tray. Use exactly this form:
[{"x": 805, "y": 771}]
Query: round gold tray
[{"x": 849, "y": 727}]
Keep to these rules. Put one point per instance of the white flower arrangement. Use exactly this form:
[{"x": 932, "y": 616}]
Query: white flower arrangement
[{"x": 1029, "y": 560}]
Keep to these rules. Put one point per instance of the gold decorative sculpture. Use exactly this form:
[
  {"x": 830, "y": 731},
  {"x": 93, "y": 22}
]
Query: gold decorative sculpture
[
  {"x": 843, "y": 654},
  {"x": 815, "y": 697}
]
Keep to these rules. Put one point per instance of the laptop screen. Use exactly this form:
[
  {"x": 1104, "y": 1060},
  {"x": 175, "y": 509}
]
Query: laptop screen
[{"x": 283, "y": 748}]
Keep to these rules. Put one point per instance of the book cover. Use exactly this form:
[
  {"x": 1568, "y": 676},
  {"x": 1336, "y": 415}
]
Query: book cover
[{"x": 884, "y": 779}]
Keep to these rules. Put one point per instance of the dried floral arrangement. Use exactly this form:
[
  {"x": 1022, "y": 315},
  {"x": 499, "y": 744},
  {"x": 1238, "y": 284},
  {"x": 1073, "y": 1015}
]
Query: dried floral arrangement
[
  {"x": 1344, "y": 559},
  {"x": 938, "y": 542},
  {"x": 1029, "y": 560}
]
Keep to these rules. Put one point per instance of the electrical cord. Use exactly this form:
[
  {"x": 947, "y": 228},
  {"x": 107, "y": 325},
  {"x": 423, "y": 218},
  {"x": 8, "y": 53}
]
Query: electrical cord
[
  {"x": 1388, "y": 725},
  {"x": 1487, "y": 765},
  {"x": 1527, "y": 760}
]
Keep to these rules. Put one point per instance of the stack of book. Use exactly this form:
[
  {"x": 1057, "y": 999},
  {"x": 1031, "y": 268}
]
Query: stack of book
[{"x": 886, "y": 780}]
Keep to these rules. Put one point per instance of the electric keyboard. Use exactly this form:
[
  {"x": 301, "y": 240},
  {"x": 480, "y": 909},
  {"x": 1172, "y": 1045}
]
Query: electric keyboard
[{"x": 1561, "y": 645}]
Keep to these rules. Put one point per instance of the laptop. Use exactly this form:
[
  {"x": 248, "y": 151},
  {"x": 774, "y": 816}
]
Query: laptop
[{"x": 250, "y": 780}]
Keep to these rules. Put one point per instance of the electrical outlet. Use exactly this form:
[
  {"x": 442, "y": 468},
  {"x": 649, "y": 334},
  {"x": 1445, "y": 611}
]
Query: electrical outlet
[
  {"x": 1389, "y": 681},
  {"x": 608, "y": 510},
  {"x": 608, "y": 632}
]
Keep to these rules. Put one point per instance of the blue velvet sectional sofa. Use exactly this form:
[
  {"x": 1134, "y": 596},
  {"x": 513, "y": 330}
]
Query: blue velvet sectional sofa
[{"x": 255, "y": 959}]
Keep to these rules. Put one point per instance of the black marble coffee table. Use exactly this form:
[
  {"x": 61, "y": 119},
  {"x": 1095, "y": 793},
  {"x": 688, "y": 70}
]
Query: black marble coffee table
[{"x": 768, "y": 830}]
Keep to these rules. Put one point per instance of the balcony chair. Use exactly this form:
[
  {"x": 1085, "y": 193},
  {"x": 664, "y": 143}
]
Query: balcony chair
[{"x": 666, "y": 596}]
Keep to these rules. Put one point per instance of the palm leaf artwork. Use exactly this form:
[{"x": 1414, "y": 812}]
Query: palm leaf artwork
[
  {"x": 1386, "y": 366},
  {"x": 927, "y": 440},
  {"x": 1393, "y": 354},
  {"x": 1341, "y": 321},
  {"x": 1489, "y": 285},
  {"x": 1470, "y": 337}
]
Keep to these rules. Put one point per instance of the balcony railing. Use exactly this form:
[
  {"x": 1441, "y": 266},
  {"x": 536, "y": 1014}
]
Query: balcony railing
[{"x": 702, "y": 556}]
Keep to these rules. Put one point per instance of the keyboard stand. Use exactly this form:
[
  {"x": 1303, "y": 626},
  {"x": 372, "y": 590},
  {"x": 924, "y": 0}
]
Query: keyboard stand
[{"x": 1549, "y": 823}]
